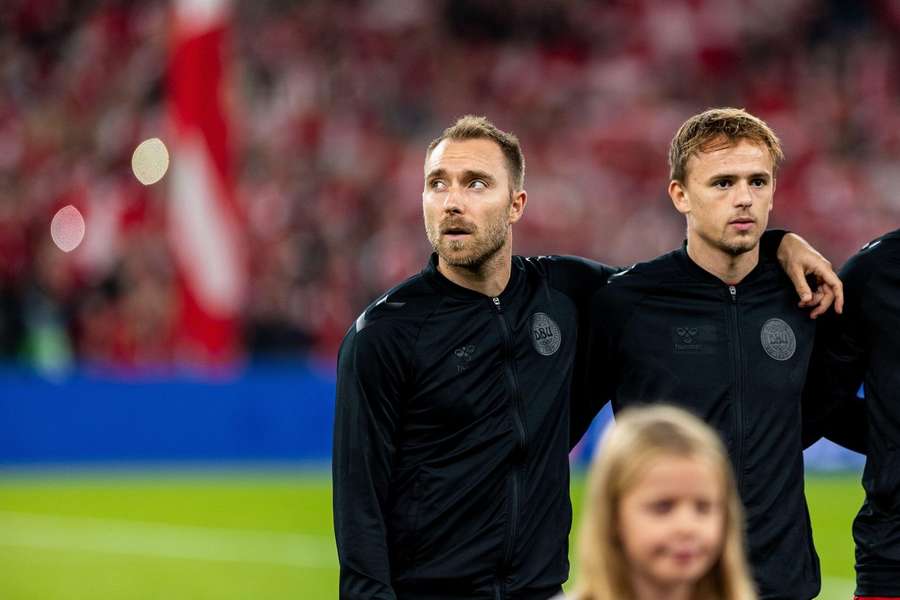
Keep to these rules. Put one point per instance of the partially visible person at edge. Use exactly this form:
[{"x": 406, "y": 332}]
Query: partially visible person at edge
[
  {"x": 451, "y": 439},
  {"x": 862, "y": 347},
  {"x": 662, "y": 518},
  {"x": 714, "y": 327}
]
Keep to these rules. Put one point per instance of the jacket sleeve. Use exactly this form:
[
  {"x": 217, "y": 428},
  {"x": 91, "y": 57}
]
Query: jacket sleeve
[
  {"x": 840, "y": 356},
  {"x": 769, "y": 243},
  {"x": 594, "y": 370},
  {"x": 581, "y": 279},
  {"x": 578, "y": 278},
  {"x": 368, "y": 397}
]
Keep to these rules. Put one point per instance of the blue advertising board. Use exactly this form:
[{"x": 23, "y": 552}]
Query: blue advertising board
[{"x": 264, "y": 413}]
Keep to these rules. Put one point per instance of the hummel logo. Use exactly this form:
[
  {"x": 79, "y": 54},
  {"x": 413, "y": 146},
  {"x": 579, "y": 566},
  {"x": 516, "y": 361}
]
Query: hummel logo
[
  {"x": 699, "y": 339},
  {"x": 687, "y": 334},
  {"x": 463, "y": 357}
]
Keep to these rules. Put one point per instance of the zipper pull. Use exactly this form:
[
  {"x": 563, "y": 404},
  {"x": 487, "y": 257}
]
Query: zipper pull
[
  {"x": 733, "y": 291},
  {"x": 497, "y": 303}
]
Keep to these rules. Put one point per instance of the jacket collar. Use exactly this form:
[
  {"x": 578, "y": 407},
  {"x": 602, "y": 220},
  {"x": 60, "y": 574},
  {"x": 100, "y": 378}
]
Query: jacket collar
[
  {"x": 448, "y": 288},
  {"x": 699, "y": 273}
]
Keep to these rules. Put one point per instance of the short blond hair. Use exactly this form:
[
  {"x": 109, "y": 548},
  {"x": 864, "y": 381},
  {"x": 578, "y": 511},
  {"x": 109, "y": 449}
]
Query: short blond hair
[
  {"x": 471, "y": 127},
  {"x": 639, "y": 438},
  {"x": 717, "y": 127}
]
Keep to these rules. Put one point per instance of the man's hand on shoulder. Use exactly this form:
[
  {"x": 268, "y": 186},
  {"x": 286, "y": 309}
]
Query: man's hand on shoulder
[{"x": 799, "y": 259}]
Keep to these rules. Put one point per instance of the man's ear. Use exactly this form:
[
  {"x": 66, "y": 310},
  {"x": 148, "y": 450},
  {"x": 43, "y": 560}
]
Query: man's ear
[
  {"x": 517, "y": 205},
  {"x": 679, "y": 196}
]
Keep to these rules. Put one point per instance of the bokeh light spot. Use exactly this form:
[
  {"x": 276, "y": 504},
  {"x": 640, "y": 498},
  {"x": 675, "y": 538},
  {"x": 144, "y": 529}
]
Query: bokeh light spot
[
  {"x": 150, "y": 161},
  {"x": 67, "y": 228}
]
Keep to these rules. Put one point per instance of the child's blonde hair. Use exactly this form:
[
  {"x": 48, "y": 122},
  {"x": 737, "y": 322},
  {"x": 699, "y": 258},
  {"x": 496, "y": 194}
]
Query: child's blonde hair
[{"x": 640, "y": 438}]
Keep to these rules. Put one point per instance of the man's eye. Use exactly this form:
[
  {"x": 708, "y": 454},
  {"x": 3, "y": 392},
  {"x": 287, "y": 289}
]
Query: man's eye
[
  {"x": 478, "y": 184},
  {"x": 437, "y": 185},
  {"x": 722, "y": 184},
  {"x": 759, "y": 182}
]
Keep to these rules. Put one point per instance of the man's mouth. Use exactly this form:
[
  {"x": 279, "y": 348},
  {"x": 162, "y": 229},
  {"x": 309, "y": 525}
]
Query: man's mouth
[
  {"x": 742, "y": 223},
  {"x": 455, "y": 231}
]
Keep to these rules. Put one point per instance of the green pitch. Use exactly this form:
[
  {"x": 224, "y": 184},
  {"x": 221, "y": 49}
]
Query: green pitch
[{"x": 195, "y": 535}]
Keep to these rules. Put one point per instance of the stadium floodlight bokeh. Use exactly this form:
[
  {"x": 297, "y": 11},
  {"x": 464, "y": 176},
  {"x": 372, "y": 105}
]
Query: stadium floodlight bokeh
[
  {"x": 150, "y": 161},
  {"x": 329, "y": 107}
]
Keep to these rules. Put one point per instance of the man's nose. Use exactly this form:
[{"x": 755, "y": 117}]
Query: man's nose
[
  {"x": 744, "y": 196},
  {"x": 453, "y": 200}
]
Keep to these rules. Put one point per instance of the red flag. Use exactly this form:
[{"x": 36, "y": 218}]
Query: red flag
[{"x": 204, "y": 219}]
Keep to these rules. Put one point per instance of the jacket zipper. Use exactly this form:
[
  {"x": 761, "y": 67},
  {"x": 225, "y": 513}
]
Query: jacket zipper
[
  {"x": 739, "y": 390},
  {"x": 518, "y": 421}
]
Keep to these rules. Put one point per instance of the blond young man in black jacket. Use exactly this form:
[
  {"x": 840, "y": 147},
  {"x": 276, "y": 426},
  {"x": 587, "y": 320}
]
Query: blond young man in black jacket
[{"x": 713, "y": 327}]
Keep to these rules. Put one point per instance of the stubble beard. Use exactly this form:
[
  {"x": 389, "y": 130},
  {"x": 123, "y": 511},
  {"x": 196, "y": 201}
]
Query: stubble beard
[
  {"x": 738, "y": 245},
  {"x": 470, "y": 253}
]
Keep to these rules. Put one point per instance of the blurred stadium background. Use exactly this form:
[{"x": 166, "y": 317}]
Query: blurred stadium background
[{"x": 166, "y": 388}]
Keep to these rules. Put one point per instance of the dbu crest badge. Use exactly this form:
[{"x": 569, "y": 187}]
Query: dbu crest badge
[
  {"x": 778, "y": 339},
  {"x": 545, "y": 334}
]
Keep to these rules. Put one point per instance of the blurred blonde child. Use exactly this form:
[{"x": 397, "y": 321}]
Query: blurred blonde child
[{"x": 662, "y": 516}]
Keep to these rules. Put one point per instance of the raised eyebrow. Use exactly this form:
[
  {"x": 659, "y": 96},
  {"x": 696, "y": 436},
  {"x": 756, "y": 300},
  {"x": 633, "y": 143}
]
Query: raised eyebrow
[
  {"x": 435, "y": 174},
  {"x": 468, "y": 175},
  {"x": 471, "y": 175}
]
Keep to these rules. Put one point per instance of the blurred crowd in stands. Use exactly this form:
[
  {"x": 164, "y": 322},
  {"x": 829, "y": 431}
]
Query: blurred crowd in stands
[{"x": 333, "y": 103}]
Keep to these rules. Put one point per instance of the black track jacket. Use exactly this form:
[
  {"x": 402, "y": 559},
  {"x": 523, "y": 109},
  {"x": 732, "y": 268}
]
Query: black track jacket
[
  {"x": 863, "y": 346},
  {"x": 737, "y": 357},
  {"x": 451, "y": 439}
]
